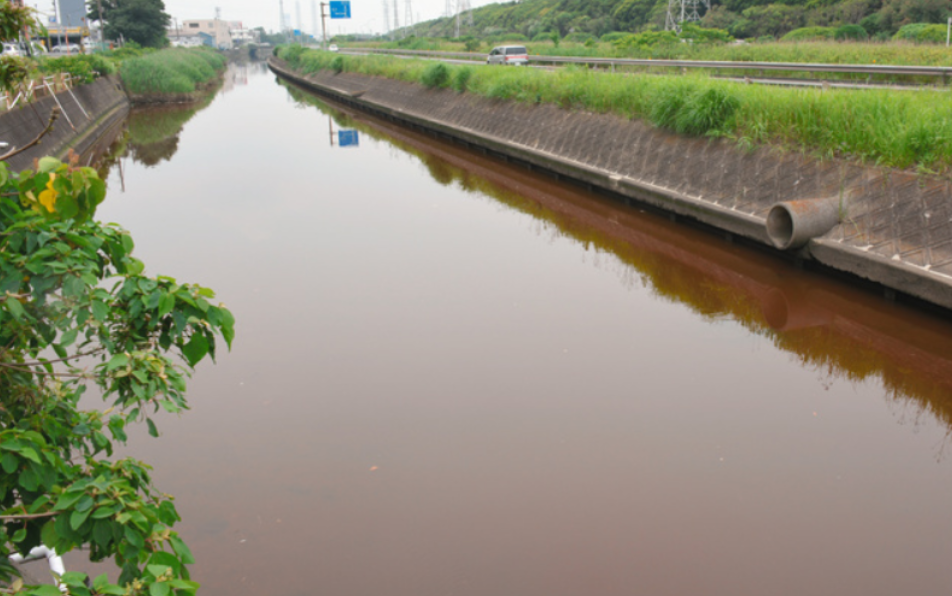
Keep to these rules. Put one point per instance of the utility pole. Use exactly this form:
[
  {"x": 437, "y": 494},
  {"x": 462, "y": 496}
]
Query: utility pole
[
  {"x": 323, "y": 27},
  {"x": 59, "y": 23},
  {"x": 386, "y": 17},
  {"x": 102, "y": 26}
]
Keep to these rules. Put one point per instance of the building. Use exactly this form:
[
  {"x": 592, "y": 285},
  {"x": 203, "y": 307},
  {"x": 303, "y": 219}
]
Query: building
[
  {"x": 70, "y": 23},
  {"x": 218, "y": 29}
]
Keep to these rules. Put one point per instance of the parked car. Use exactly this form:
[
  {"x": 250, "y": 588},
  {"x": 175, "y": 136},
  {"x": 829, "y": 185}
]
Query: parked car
[
  {"x": 66, "y": 48},
  {"x": 509, "y": 55},
  {"x": 333, "y": 48}
]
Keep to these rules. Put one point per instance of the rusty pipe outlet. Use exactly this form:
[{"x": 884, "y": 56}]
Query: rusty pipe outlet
[{"x": 792, "y": 224}]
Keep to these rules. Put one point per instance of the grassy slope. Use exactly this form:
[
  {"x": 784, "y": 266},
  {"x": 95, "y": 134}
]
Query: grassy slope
[
  {"x": 170, "y": 72},
  {"x": 893, "y": 128}
]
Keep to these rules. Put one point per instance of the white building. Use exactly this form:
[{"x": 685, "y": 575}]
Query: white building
[{"x": 217, "y": 28}]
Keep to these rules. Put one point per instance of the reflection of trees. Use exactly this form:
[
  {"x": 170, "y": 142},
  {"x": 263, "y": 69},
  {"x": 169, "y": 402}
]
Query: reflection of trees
[
  {"x": 837, "y": 330},
  {"x": 153, "y": 132}
]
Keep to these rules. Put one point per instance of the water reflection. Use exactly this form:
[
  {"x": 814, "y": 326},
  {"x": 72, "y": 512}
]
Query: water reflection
[{"x": 843, "y": 333}]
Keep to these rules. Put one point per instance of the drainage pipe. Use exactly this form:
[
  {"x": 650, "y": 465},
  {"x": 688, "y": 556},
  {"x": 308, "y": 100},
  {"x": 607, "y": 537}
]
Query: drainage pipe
[
  {"x": 54, "y": 560},
  {"x": 792, "y": 224}
]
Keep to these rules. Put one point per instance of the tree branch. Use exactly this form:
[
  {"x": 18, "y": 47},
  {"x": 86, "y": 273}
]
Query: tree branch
[
  {"x": 28, "y": 516},
  {"x": 49, "y": 126}
]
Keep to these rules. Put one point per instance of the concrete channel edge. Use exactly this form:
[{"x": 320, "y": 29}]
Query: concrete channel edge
[{"x": 896, "y": 229}]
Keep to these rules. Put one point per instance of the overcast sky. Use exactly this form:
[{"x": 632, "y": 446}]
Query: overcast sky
[{"x": 367, "y": 15}]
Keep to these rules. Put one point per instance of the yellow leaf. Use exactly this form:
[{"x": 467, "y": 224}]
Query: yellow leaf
[{"x": 48, "y": 196}]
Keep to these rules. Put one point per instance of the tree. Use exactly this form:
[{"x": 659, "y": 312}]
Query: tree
[{"x": 142, "y": 21}]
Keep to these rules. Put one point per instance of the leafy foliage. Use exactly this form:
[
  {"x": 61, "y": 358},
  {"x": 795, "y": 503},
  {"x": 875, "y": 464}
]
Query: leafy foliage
[
  {"x": 436, "y": 75},
  {"x": 141, "y": 21},
  {"x": 77, "y": 310}
]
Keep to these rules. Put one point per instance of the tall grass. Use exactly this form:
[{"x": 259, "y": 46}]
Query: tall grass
[
  {"x": 170, "y": 72},
  {"x": 892, "y": 128}
]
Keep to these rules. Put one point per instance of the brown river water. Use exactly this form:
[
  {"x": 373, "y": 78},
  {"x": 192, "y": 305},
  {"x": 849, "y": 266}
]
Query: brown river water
[{"x": 453, "y": 376}]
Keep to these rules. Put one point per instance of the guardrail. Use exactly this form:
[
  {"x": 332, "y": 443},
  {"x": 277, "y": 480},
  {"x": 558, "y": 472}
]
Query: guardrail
[
  {"x": 32, "y": 90},
  {"x": 943, "y": 73}
]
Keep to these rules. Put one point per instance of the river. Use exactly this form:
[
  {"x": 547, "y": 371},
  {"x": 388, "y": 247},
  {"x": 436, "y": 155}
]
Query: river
[{"x": 455, "y": 376}]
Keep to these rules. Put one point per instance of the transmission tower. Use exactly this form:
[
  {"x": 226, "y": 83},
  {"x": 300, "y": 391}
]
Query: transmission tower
[
  {"x": 297, "y": 10},
  {"x": 396, "y": 16},
  {"x": 408, "y": 15},
  {"x": 682, "y": 11},
  {"x": 386, "y": 16}
]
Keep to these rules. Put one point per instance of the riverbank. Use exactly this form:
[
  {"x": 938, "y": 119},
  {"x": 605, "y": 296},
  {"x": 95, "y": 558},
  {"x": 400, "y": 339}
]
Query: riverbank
[
  {"x": 890, "y": 226},
  {"x": 87, "y": 113}
]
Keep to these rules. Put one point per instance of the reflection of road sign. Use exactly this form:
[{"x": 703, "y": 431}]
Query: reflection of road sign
[
  {"x": 340, "y": 9},
  {"x": 348, "y": 138}
]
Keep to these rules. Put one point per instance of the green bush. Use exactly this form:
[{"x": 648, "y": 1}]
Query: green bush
[
  {"x": 809, "y": 34},
  {"x": 436, "y": 75},
  {"x": 461, "y": 79},
  {"x": 706, "y": 112},
  {"x": 850, "y": 33},
  {"x": 648, "y": 39},
  {"x": 608, "y": 37},
  {"x": 922, "y": 33},
  {"x": 337, "y": 64},
  {"x": 508, "y": 36},
  {"x": 541, "y": 37},
  {"x": 85, "y": 67},
  {"x": 578, "y": 37}
]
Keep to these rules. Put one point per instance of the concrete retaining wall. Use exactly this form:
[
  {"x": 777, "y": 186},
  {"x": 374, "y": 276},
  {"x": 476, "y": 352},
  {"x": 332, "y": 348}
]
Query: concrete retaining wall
[
  {"x": 896, "y": 228},
  {"x": 104, "y": 102}
]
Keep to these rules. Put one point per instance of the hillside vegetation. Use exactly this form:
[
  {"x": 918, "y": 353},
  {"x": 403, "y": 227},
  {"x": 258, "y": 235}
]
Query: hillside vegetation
[{"x": 579, "y": 20}]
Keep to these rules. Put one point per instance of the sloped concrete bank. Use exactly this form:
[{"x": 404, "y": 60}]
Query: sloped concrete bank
[
  {"x": 891, "y": 227},
  {"x": 88, "y": 112}
]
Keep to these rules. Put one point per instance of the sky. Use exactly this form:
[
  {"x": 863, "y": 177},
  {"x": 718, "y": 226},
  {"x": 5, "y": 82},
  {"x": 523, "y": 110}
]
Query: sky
[{"x": 367, "y": 15}]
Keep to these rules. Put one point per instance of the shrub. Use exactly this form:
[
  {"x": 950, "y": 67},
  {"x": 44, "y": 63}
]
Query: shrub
[
  {"x": 578, "y": 37},
  {"x": 922, "y": 33},
  {"x": 542, "y": 37},
  {"x": 337, "y": 64},
  {"x": 462, "y": 79},
  {"x": 809, "y": 34},
  {"x": 850, "y": 33},
  {"x": 705, "y": 35},
  {"x": 611, "y": 37},
  {"x": 706, "y": 112},
  {"x": 435, "y": 75}
]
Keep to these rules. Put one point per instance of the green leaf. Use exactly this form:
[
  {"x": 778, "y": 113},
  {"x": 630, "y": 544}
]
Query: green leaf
[
  {"x": 133, "y": 537},
  {"x": 15, "y": 308},
  {"x": 47, "y": 165},
  {"x": 100, "y": 310},
  {"x": 117, "y": 361},
  {"x": 10, "y": 463},
  {"x": 73, "y": 578},
  {"x": 46, "y": 590},
  {"x": 159, "y": 589},
  {"x": 166, "y": 304},
  {"x": 67, "y": 500},
  {"x": 85, "y": 503},
  {"x": 102, "y": 533},
  {"x": 19, "y": 535},
  {"x": 152, "y": 428},
  {"x": 77, "y": 518},
  {"x": 182, "y": 550},
  {"x": 158, "y": 570},
  {"x": 196, "y": 348},
  {"x": 30, "y": 454},
  {"x": 68, "y": 338},
  {"x": 29, "y": 480}
]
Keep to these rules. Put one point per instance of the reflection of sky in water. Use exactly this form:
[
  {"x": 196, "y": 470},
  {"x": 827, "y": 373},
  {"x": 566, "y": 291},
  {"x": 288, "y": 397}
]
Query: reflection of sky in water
[{"x": 536, "y": 426}]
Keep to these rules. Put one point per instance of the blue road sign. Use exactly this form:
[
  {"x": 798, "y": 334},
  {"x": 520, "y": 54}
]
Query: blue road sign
[
  {"x": 340, "y": 9},
  {"x": 348, "y": 138},
  {"x": 297, "y": 33}
]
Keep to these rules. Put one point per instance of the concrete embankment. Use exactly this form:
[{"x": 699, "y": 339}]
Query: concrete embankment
[
  {"x": 891, "y": 227},
  {"x": 87, "y": 112}
]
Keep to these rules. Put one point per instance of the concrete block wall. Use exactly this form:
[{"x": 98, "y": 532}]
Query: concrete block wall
[{"x": 103, "y": 101}]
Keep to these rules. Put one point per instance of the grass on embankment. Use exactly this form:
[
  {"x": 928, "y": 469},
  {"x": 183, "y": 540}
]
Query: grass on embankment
[
  {"x": 170, "y": 72},
  {"x": 808, "y": 52},
  {"x": 892, "y": 128}
]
